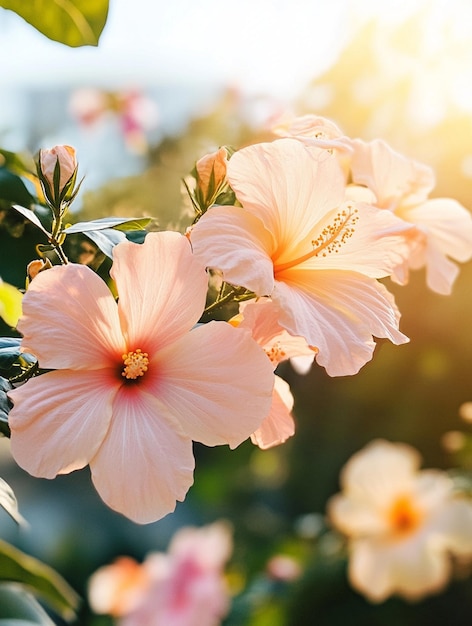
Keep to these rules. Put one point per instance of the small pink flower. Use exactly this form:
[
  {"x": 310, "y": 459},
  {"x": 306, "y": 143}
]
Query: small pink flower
[
  {"x": 184, "y": 587},
  {"x": 402, "y": 524},
  {"x": 134, "y": 382},
  {"x": 317, "y": 255}
]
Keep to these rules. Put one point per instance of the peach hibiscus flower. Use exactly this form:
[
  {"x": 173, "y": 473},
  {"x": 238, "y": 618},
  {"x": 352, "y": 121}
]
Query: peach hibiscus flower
[
  {"x": 402, "y": 524},
  {"x": 442, "y": 227},
  {"x": 134, "y": 382},
  {"x": 184, "y": 587},
  {"x": 297, "y": 240},
  {"x": 261, "y": 318}
]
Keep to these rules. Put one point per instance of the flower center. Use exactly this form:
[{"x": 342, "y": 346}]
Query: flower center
[
  {"x": 275, "y": 353},
  {"x": 135, "y": 364},
  {"x": 332, "y": 236},
  {"x": 403, "y": 515}
]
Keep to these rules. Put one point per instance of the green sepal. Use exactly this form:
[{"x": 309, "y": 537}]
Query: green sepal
[{"x": 42, "y": 580}]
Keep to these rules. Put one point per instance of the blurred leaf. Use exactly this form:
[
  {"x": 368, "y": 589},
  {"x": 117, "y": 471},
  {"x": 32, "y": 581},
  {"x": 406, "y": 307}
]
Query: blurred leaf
[
  {"x": 71, "y": 22},
  {"x": 31, "y": 216},
  {"x": 15, "y": 364},
  {"x": 10, "y": 303},
  {"x": 9, "y": 503},
  {"x": 19, "y": 608},
  {"x": 5, "y": 406},
  {"x": 13, "y": 189},
  {"x": 116, "y": 223},
  {"x": 16, "y": 163},
  {"x": 16, "y": 566}
]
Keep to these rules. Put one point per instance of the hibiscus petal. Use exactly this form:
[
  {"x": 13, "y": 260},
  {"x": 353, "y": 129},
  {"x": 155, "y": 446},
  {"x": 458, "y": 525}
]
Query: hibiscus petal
[
  {"x": 145, "y": 464},
  {"x": 278, "y": 426},
  {"x": 162, "y": 289},
  {"x": 217, "y": 382},
  {"x": 288, "y": 186},
  {"x": 59, "y": 420},
  {"x": 337, "y": 312},
  {"x": 235, "y": 241},
  {"x": 70, "y": 319}
]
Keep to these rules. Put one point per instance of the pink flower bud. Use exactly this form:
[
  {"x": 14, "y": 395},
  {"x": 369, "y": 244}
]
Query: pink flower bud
[{"x": 67, "y": 163}]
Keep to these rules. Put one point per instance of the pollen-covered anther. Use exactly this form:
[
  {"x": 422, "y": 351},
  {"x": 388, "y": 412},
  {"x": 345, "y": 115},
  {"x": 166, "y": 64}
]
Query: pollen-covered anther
[
  {"x": 135, "y": 364},
  {"x": 275, "y": 353},
  {"x": 335, "y": 234}
]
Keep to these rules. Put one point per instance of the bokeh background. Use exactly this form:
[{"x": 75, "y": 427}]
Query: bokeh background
[{"x": 168, "y": 83}]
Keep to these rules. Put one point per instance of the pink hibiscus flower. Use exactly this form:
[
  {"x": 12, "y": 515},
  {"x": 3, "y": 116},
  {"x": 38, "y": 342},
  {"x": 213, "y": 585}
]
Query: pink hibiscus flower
[
  {"x": 317, "y": 256},
  {"x": 261, "y": 318},
  {"x": 442, "y": 227},
  {"x": 132, "y": 387},
  {"x": 184, "y": 587}
]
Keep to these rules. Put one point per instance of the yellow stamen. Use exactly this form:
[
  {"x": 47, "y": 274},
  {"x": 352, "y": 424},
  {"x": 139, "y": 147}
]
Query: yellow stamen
[
  {"x": 403, "y": 515},
  {"x": 331, "y": 238},
  {"x": 136, "y": 364}
]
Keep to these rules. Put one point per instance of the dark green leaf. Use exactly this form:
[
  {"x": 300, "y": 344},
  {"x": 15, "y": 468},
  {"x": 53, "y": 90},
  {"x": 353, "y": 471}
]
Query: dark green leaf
[
  {"x": 31, "y": 216},
  {"x": 5, "y": 406},
  {"x": 19, "y": 608},
  {"x": 9, "y": 503},
  {"x": 71, "y": 22},
  {"x": 117, "y": 223},
  {"x": 16, "y": 566},
  {"x": 13, "y": 189},
  {"x": 16, "y": 163}
]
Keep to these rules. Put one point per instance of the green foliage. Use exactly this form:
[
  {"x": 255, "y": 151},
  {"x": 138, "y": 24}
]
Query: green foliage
[
  {"x": 9, "y": 503},
  {"x": 117, "y": 223},
  {"x": 71, "y": 22},
  {"x": 19, "y": 608},
  {"x": 18, "y": 567},
  {"x": 13, "y": 190},
  {"x": 5, "y": 406}
]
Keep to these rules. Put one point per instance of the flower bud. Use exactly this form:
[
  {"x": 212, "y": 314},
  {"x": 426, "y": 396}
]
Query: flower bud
[
  {"x": 36, "y": 266},
  {"x": 210, "y": 174},
  {"x": 57, "y": 171}
]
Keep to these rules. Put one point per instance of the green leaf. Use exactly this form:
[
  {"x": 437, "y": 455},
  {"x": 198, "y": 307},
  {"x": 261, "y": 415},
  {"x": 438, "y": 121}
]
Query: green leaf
[
  {"x": 30, "y": 215},
  {"x": 17, "y": 163},
  {"x": 106, "y": 239},
  {"x": 124, "y": 224},
  {"x": 42, "y": 580},
  {"x": 9, "y": 503},
  {"x": 19, "y": 608},
  {"x": 71, "y": 22},
  {"x": 5, "y": 406},
  {"x": 13, "y": 189}
]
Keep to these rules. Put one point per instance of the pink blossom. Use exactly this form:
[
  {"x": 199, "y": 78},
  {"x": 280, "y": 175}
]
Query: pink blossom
[
  {"x": 442, "y": 227},
  {"x": 261, "y": 318},
  {"x": 132, "y": 387},
  {"x": 317, "y": 256},
  {"x": 184, "y": 587}
]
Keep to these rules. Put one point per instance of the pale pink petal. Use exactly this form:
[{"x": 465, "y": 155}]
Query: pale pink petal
[
  {"x": 261, "y": 317},
  {"x": 209, "y": 546},
  {"x": 440, "y": 271},
  {"x": 448, "y": 223},
  {"x": 278, "y": 426},
  {"x": 59, "y": 420},
  {"x": 375, "y": 246},
  {"x": 391, "y": 176},
  {"x": 161, "y": 287},
  {"x": 235, "y": 241},
  {"x": 314, "y": 130},
  {"x": 379, "y": 569},
  {"x": 70, "y": 320},
  {"x": 217, "y": 382},
  {"x": 454, "y": 520},
  {"x": 356, "y": 517},
  {"x": 288, "y": 186},
  {"x": 145, "y": 463},
  {"x": 338, "y": 313}
]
